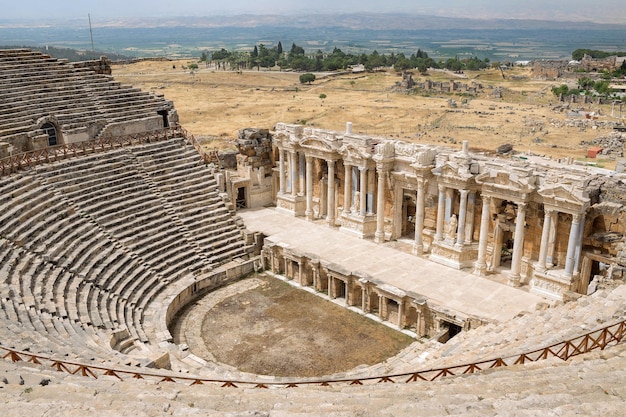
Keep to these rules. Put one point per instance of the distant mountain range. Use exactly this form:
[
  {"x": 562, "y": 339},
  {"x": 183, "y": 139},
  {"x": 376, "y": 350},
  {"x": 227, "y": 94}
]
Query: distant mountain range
[
  {"x": 352, "y": 21},
  {"x": 440, "y": 37}
]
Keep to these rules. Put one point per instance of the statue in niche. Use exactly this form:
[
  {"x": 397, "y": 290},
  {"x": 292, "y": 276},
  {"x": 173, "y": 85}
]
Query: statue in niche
[
  {"x": 509, "y": 211},
  {"x": 357, "y": 202},
  {"x": 451, "y": 227}
]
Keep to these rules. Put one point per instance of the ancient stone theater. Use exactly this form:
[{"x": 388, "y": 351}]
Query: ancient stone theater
[{"x": 113, "y": 219}]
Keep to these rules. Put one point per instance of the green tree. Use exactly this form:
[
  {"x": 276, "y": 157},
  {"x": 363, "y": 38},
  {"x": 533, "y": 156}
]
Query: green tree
[
  {"x": 585, "y": 83},
  {"x": 279, "y": 48},
  {"x": 602, "y": 87},
  {"x": 563, "y": 89},
  {"x": 307, "y": 78},
  {"x": 296, "y": 50},
  {"x": 402, "y": 64}
]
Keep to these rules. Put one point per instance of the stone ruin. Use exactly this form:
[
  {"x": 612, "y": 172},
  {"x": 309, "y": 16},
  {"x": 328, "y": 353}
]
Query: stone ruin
[
  {"x": 474, "y": 87},
  {"x": 104, "y": 239},
  {"x": 530, "y": 217}
]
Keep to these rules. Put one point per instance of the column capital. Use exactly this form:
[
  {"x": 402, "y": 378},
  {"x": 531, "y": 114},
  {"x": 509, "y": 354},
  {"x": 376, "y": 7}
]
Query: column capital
[
  {"x": 576, "y": 218},
  {"x": 308, "y": 158},
  {"x": 441, "y": 188},
  {"x": 463, "y": 192}
]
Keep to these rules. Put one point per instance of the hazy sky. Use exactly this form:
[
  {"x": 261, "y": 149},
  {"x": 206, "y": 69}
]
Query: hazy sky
[{"x": 602, "y": 11}]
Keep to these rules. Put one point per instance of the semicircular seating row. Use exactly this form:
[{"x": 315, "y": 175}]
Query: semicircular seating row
[
  {"x": 86, "y": 244},
  {"x": 33, "y": 85}
]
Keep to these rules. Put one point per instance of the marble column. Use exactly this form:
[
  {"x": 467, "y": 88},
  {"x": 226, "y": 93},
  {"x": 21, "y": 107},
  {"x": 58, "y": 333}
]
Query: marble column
[
  {"x": 301, "y": 168},
  {"x": 370, "y": 190},
  {"x": 545, "y": 234},
  {"x": 441, "y": 206},
  {"x": 364, "y": 299},
  {"x": 570, "y": 259},
  {"x": 448, "y": 195},
  {"x": 379, "y": 236},
  {"x": 418, "y": 246},
  {"x": 363, "y": 190},
  {"x": 460, "y": 234},
  {"x": 481, "y": 263},
  {"x": 330, "y": 212},
  {"x": 518, "y": 245},
  {"x": 294, "y": 172},
  {"x": 309, "y": 188},
  {"x": 347, "y": 188},
  {"x": 579, "y": 243},
  {"x": 552, "y": 239},
  {"x": 469, "y": 224},
  {"x": 281, "y": 170}
]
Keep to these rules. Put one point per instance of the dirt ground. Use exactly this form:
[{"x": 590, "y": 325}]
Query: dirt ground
[
  {"x": 277, "y": 329},
  {"x": 216, "y": 103}
]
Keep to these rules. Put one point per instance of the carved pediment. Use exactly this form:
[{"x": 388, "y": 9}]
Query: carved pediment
[
  {"x": 556, "y": 193},
  {"x": 352, "y": 152},
  {"x": 507, "y": 180},
  {"x": 453, "y": 172},
  {"x": 316, "y": 143}
]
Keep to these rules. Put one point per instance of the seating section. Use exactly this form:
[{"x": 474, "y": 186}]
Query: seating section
[
  {"x": 33, "y": 86},
  {"x": 88, "y": 243}
]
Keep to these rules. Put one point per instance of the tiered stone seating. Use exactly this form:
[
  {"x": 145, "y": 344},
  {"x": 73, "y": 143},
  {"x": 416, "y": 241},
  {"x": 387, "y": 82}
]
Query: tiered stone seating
[
  {"x": 525, "y": 333},
  {"x": 196, "y": 200},
  {"x": 33, "y": 86},
  {"x": 86, "y": 244},
  {"x": 589, "y": 385}
]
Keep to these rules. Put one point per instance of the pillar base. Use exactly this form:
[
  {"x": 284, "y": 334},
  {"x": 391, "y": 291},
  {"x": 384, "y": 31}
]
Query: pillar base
[
  {"x": 480, "y": 269},
  {"x": 449, "y": 254},
  {"x": 363, "y": 227},
  {"x": 514, "y": 280},
  {"x": 552, "y": 284},
  {"x": 294, "y": 205},
  {"x": 379, "y": 237},
  {"x": 418, "y": 249}
]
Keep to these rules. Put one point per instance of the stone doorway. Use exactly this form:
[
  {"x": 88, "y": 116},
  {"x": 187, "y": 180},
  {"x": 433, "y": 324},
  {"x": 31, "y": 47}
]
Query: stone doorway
[
  {"x": 240, "y": 202},
  {"x": 163, "y": 114},
  {"x": 408, "y": 216}
]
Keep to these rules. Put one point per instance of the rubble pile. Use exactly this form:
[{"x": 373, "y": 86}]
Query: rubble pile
[{"x": 612, "y": 144}]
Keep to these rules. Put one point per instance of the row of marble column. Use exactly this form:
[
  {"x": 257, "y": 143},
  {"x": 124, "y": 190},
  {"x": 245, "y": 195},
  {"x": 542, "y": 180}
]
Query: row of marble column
[
  {"x": 298, "y": 180},
  {"x": 465, "y": 229},
  {"x": 363, "y": 183},
  {"x": 548, "y": 240}
]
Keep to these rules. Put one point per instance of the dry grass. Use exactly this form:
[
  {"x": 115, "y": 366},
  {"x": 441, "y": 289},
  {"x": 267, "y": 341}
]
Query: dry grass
[{"x": 218, "y": 103}]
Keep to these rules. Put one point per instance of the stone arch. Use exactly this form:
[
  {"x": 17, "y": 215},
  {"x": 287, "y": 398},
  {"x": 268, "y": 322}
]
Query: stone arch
[{"x": 52, "y": 132}]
